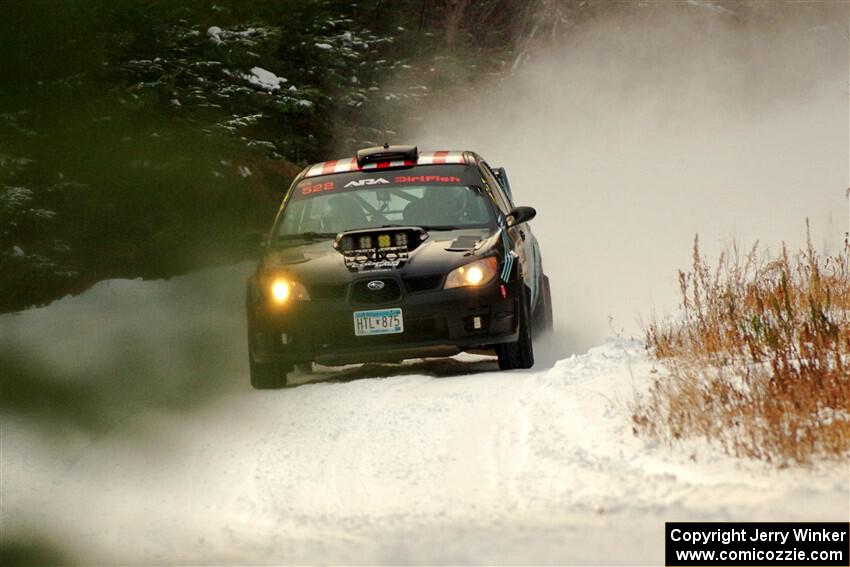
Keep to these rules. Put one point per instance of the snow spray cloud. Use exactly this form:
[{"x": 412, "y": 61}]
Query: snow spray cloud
[
  {"x": 86, "y": 362},
  {"x": 638, "y": 131}
]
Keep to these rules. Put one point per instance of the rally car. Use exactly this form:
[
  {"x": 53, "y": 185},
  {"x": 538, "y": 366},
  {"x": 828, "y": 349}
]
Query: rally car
[{"x": 396, "y": 254}]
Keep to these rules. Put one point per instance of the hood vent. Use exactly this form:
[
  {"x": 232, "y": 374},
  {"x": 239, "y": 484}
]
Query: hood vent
[{"x": 464, "y": 244}]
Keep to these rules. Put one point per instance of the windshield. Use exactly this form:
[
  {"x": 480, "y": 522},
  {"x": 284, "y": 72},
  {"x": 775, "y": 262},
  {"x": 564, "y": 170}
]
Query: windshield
[{"x": 324, "y": 214}]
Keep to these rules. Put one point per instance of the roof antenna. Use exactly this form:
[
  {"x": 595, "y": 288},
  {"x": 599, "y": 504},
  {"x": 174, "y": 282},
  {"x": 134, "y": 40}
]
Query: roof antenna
[{"x": 386, "y": 145}]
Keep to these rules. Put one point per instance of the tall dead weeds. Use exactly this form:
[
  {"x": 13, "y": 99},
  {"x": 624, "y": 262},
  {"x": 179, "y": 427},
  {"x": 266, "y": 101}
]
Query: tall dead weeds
[{"x": 757, "y": 358}]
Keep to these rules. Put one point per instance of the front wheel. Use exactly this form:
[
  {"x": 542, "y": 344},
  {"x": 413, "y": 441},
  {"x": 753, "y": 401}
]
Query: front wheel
[
  {"x": 519, "y": 354},
  {"x": 268, "y": 375}
]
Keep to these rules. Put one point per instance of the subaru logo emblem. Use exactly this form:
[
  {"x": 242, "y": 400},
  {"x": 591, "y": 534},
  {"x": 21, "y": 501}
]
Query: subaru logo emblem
[{"x": 375, "y": 285}]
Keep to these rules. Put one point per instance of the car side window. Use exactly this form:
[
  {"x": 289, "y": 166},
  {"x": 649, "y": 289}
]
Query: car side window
[
  {"x": 505, "y": 195},
  {"x": 495, "y": 189}
]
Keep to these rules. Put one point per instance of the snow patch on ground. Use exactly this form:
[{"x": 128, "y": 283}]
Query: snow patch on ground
[
  {"x": 264, "y": 79},
  {"x": 214, "y": 33},
  {"x": 433, "y": 461}
]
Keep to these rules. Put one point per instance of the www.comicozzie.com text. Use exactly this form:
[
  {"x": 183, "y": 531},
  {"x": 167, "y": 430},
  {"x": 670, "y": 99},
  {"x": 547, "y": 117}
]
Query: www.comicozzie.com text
[{"x": 726, "y": 536}]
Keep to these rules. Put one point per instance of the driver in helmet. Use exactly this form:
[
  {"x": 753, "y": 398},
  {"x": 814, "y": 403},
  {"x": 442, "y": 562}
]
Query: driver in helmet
[{"x": 438, "y": 206}]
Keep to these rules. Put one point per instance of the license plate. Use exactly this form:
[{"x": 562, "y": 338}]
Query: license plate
[{"x": 378, "y": 322}]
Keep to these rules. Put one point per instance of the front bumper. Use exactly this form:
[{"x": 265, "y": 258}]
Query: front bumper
[{"x": 436, "y": 323}]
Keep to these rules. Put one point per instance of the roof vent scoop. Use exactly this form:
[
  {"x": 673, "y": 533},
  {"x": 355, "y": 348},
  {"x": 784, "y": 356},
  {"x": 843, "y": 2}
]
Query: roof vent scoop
[{"x": 387, "y": 153}]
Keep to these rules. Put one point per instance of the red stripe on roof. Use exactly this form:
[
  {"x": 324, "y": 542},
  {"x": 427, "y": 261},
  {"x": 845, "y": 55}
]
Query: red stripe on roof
[
  {"x": 440, "y": 157},
  {"x": 350, "y": 164}
]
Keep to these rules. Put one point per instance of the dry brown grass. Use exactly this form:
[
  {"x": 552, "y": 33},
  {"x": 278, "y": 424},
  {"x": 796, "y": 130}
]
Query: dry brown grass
[{"x": 758, "y": 360}]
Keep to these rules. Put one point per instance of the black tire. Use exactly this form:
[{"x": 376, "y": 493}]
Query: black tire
[
  {"x": 544, "y": 322},
  {"x": 264, "y": 375},
  {"x": 268, "y": 375},
  {"x": 519, "y": 354}
]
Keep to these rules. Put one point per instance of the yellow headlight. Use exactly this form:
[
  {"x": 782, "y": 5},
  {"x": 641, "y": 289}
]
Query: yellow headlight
[
  {"x": 283, "y": 290},
  {"x": 280, "y": 290},
  {"x": 476, "y": 273}
]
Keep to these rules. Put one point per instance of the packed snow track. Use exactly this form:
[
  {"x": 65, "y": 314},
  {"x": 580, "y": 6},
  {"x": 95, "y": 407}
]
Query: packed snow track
[{"x": 436, "y": 461}]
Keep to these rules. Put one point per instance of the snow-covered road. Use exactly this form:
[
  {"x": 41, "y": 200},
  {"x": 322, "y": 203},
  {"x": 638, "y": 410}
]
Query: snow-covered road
[{"x": 438, "y": 461}]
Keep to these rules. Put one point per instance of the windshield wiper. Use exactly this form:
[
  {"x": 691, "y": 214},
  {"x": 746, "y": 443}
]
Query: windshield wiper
[
  {"x": 440, "y": 227},
  {"x": 307, "y": 236}
]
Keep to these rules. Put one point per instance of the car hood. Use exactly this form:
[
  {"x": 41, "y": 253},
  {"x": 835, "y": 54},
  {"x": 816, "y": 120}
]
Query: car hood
[{"x": 319, "y": 262}]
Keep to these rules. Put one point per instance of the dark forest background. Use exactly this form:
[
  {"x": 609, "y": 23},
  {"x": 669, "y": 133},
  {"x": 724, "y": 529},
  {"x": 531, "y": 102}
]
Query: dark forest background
[{"x": 142, "y": 138}]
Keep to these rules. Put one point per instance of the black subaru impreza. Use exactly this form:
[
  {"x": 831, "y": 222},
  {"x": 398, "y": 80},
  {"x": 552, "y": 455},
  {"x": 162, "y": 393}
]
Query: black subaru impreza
[{"x": 396, "y": 254}]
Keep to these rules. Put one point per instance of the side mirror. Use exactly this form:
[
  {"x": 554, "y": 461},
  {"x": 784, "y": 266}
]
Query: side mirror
[{"x": 520, "y": 215}]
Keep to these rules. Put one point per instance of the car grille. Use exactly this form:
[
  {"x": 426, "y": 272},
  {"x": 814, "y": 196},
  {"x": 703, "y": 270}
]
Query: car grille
[
  {"x": 360, "y": 292},
  {"x": 424, "y": 283},
  {"x": 327, "y": 292}
]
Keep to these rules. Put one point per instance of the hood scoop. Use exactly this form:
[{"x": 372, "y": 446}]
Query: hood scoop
[
  {"x": 378, "y": 248},
  {"x": 285, "y": 258},
  {"x": 464, "y": 243}
]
